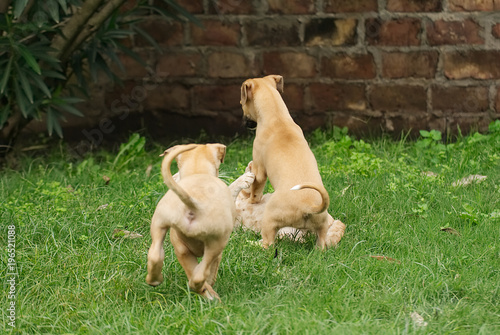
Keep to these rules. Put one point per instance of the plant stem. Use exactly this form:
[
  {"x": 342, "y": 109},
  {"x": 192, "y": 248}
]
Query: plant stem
[
  {"x": 62, "y": 42},
  {"x": 92, "y": 25}
]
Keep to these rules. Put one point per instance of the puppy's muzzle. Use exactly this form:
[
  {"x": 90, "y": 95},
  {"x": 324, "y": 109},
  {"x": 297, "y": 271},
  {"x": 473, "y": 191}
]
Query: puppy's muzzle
[{"x": 250, "y": 124}]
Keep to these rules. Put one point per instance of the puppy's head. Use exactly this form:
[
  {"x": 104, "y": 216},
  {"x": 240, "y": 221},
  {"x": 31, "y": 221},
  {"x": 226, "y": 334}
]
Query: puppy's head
[
  {"x": 249, "y": 89},
  {"x": 204, "y": 159},
  {"x": 216, "y": 153}
]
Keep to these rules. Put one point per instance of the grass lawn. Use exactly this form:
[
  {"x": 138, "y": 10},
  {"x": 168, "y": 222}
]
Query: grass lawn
[{"x": 419, "y": 255}]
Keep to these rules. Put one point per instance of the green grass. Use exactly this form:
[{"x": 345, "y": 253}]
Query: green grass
[{"x": 75, "y": 277}]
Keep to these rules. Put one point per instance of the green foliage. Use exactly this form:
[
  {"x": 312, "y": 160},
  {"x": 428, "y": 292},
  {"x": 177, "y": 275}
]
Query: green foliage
[
  {"x": 37, "y": 70},
  {"x": 431, "y": 146},
  {"x": 473, "y": 215},
  {"x": 129, "y": 152}
]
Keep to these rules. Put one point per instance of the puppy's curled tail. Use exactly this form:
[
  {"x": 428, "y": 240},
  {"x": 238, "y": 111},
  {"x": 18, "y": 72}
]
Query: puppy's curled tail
[
  {"x": 167, "y": 175},
  {"x": 325, "y": 198}
]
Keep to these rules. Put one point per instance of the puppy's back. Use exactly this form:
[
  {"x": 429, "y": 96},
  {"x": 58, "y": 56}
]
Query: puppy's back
[{"x": 215, "y": 213}]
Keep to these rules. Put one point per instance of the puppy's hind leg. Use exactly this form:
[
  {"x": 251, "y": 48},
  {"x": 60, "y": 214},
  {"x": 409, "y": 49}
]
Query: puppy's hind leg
[
  {"x": 274, "y": 212},
  {"x": 214, "y": 268},
  {"x": 321, "y": 233},
  {"x": 156, "y": 254},
  {"x": 202, "y": 275},
  {"x": 269, "y": 230},
  {"x": 188, "y": 260}
]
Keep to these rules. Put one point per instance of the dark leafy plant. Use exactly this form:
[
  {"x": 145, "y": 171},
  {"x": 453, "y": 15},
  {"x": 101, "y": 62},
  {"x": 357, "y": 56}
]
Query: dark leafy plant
[{"x": 49, "y": 49}]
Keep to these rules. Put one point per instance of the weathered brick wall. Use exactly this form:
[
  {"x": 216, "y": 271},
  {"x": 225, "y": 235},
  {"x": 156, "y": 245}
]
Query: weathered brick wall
[{"x": 369, "y": 65}]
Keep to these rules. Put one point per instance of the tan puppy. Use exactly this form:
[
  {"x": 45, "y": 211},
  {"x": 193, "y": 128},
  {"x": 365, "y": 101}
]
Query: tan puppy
[
  {"x": 281, "y": 153},
  {"x": 200, "y": 210},
  {"x": 249, "y": 215}
]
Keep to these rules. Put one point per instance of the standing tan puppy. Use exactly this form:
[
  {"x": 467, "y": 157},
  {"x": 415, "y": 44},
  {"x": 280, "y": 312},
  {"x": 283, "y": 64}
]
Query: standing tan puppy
[
  {"x": 200, "y": 210},
  {"x": 281, "y": 153}
]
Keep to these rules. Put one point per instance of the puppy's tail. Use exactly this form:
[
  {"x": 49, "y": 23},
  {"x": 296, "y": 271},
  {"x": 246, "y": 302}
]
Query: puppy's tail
[
  {"x": 170, "y": 155},
  {"x": 325, "y": 198}
]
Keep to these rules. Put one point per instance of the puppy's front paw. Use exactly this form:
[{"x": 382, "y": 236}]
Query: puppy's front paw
[
  {"x": 247, "y": 180},
  {"x": 243, "y": 182},
  {"x": 249, "y": 167}
]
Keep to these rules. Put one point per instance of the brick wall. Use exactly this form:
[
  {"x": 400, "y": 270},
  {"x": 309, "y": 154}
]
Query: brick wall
[{"x": 369, "y": 65}]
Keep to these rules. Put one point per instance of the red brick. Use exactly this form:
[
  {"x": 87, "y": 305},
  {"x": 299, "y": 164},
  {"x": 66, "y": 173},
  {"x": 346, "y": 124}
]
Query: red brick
[
  {"x": 228, "y": 65},
  {"x": 178, "y": 65},
  {"x": 310, "y": 122},
  {"x": 411, "y": 122},
  {"x": 359, "y": 125},
  {"x": 477, "y": 64},
  {"x": 136, "y": 95},
  {"x": 291, "y": 6},
  {"x": 192, "y": 6},
  {"x": 168, "y": 96},
  {"x": 474, "y": 5},
  {"x": 348, "y": 66},
  {"x": 414, "y": 5},
  {"x": 216, "y": 32},
  {"x": 132, "y": 69},
  {"x": 128, "y": 5},
  {"x": 114, "y": 97},
  {"x": 498, "y": 101},
  {"x": 409, "y": 64},
  {"x": 127, "y": 42},
  {"x": 273, "y": 32},
  {"x": 398, "y": 98},
  {"x": 293, "y": 95},
  {"x": 402, "y": 32},
  {"x": 289, "y": 64},
  {"x": 165, "y": 33},
  {"x": 467, "y": 123},
  {"x": 454, "y": 32},
  {"x": 230, "y": 7},
  {"x": 330, "y": 32},
  {"x": 329, "y": 97},
  {"x": 349, "y": 6},
  {"x": 465, "y": 99},
  {"x": 217, "y": 97},
  {"x": 495, "y": 30}
]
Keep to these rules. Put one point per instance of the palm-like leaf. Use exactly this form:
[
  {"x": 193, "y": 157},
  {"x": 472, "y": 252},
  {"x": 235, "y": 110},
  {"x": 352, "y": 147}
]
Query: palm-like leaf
[{"x": 34, "y": 82}]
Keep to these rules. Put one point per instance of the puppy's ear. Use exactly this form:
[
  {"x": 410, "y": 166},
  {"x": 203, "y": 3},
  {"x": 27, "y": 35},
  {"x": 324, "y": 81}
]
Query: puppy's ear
[
  {"x": 246, "y": 92},
  {"x": 279, "y": 82},
  {"x": 219, "y": 151},
  {"x": 178, "y": 158}
]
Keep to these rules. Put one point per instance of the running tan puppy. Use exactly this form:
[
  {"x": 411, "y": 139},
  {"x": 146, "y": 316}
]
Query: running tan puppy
[
  {"x": 200, "y": 210},
  {"x": 281, "y": 153}
]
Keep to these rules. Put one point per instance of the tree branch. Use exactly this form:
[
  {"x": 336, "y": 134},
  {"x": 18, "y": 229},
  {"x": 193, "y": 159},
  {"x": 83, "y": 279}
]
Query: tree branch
[
  {"x": 74, "y": 26},
  {"x": 92, "y": 25}
]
